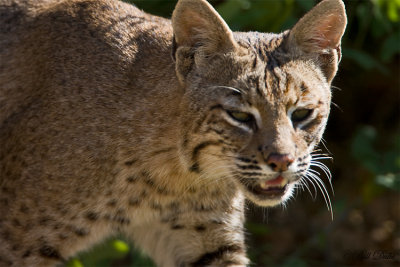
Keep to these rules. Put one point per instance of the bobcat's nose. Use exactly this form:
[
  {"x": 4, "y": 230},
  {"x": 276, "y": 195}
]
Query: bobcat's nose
[{"x": 279, "y": 162}]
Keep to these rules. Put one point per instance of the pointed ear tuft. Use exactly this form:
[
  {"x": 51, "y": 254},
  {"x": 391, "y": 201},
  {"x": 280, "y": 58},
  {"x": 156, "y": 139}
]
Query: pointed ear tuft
[
  {"x": 321, "y": 28},
  {"x": 318, "y": 34},
  {"x": 196, "y": 24}
]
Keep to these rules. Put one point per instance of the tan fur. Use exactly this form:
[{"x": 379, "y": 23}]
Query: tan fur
[{"x": 116, "y": 121}]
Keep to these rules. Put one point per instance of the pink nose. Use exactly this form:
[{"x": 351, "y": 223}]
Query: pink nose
[{"x": 279, "y": 162}]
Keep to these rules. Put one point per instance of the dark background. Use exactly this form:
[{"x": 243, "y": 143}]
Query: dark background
[{"x": 362, "y": 136}]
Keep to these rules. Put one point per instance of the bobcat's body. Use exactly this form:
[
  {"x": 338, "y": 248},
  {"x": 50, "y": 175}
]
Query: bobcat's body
[{"x": 102, "y": 131}]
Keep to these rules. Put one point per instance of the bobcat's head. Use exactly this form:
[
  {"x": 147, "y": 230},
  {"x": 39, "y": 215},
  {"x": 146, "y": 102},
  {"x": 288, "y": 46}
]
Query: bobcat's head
[{"x": 257, "y": 104}]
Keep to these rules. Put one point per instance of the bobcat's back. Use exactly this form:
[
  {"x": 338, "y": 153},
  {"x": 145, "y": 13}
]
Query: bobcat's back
[
  {"x": 60, "y": 43},
  {"x": 72, "y": 92}
]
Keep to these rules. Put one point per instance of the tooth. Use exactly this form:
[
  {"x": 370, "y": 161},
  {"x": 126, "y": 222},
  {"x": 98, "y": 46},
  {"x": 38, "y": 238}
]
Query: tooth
[{"x": 264, "y": 185}]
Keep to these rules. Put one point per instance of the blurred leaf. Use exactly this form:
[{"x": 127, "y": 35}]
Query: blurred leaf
[
  {"x": 369, "y": 189},
  {"x": 364, "y": 60},
  {"x": 257, "y": 228},
  {"x": 306, "y": 4},
  {"x": 363, "y": 12},
  {"x": 265, "y": 16},
  {"x": 393, "y": 9},
  {"x": 138, "y": 259},
  {"x": 384, "y": 166},
  {"x": 120, "y": 246},
  {"x": 391, "y": 46},
  {"x": 364, "y": 18},
  {"x": 321, "y": 239},
  {"x": 294, "y": 262},
  {"x": 287, "y": 11},
  {"x": 74, "y": 263},
  {"x": 362, "y": 148},
  {"x": 339, "y": 206},
  {"x": 389, "y": 180},
  {"x": 102, "y": 255},
  {"x": 231, "y": 8},
  {"x": 380, "y": 24}
]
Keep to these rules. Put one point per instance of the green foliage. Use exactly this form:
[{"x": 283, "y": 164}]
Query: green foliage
[
  {"x": 383, "y": 165},
  {"x": 113, "y": 251},
  {"x": 244, "y": 15},
  {"x": 372, "y": 37},
  {"x": 257, "y": 229},
  {"x": 373, "y": 34},
  {"x": 291, "y": 262},
  {"x": 392, "y": 8},
  {"x": 75, "y": 263}
]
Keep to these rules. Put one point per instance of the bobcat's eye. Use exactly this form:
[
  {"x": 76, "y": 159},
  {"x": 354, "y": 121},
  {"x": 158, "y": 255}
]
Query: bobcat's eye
[
  {"x": 301, "y": 114},
  {"x": 241, "y": 116}
]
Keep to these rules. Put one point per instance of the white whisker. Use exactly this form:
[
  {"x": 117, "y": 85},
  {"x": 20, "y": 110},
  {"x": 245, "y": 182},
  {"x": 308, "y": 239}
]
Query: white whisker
[
  {"x": 323, "y": 190},
  {"x": 304, "y": 183},
  {"x": 314, "y": 171}
]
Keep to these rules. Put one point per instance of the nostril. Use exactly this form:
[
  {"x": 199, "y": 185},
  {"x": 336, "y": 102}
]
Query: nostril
[{"x": 273, "y": 165}]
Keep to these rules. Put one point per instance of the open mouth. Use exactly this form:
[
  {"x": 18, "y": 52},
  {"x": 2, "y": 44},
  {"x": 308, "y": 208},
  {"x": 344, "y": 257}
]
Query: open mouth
[{"x": 271, "y": 189}]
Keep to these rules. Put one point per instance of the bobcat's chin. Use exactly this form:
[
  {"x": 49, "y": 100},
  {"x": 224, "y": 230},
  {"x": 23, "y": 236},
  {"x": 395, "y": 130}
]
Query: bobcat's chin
[{"x": 267, "y": 193}]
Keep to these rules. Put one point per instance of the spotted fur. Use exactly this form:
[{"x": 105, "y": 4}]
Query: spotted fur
[{"x": 116, "y": 121}]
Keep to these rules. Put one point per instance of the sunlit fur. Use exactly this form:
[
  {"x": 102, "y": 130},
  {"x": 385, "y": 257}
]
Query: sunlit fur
[{"x": 117, "y": 122}]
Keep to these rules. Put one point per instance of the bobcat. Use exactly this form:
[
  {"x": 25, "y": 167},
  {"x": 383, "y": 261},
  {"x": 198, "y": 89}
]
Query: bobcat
[{"x": 116, "y": 121}]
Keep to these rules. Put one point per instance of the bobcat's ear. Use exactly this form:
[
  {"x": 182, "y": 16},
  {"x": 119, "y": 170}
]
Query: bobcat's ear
[
  {"x": 196, "y": 24},
  {"x": 319, "y": 34},
  {"x": 199, "y": 32}
]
